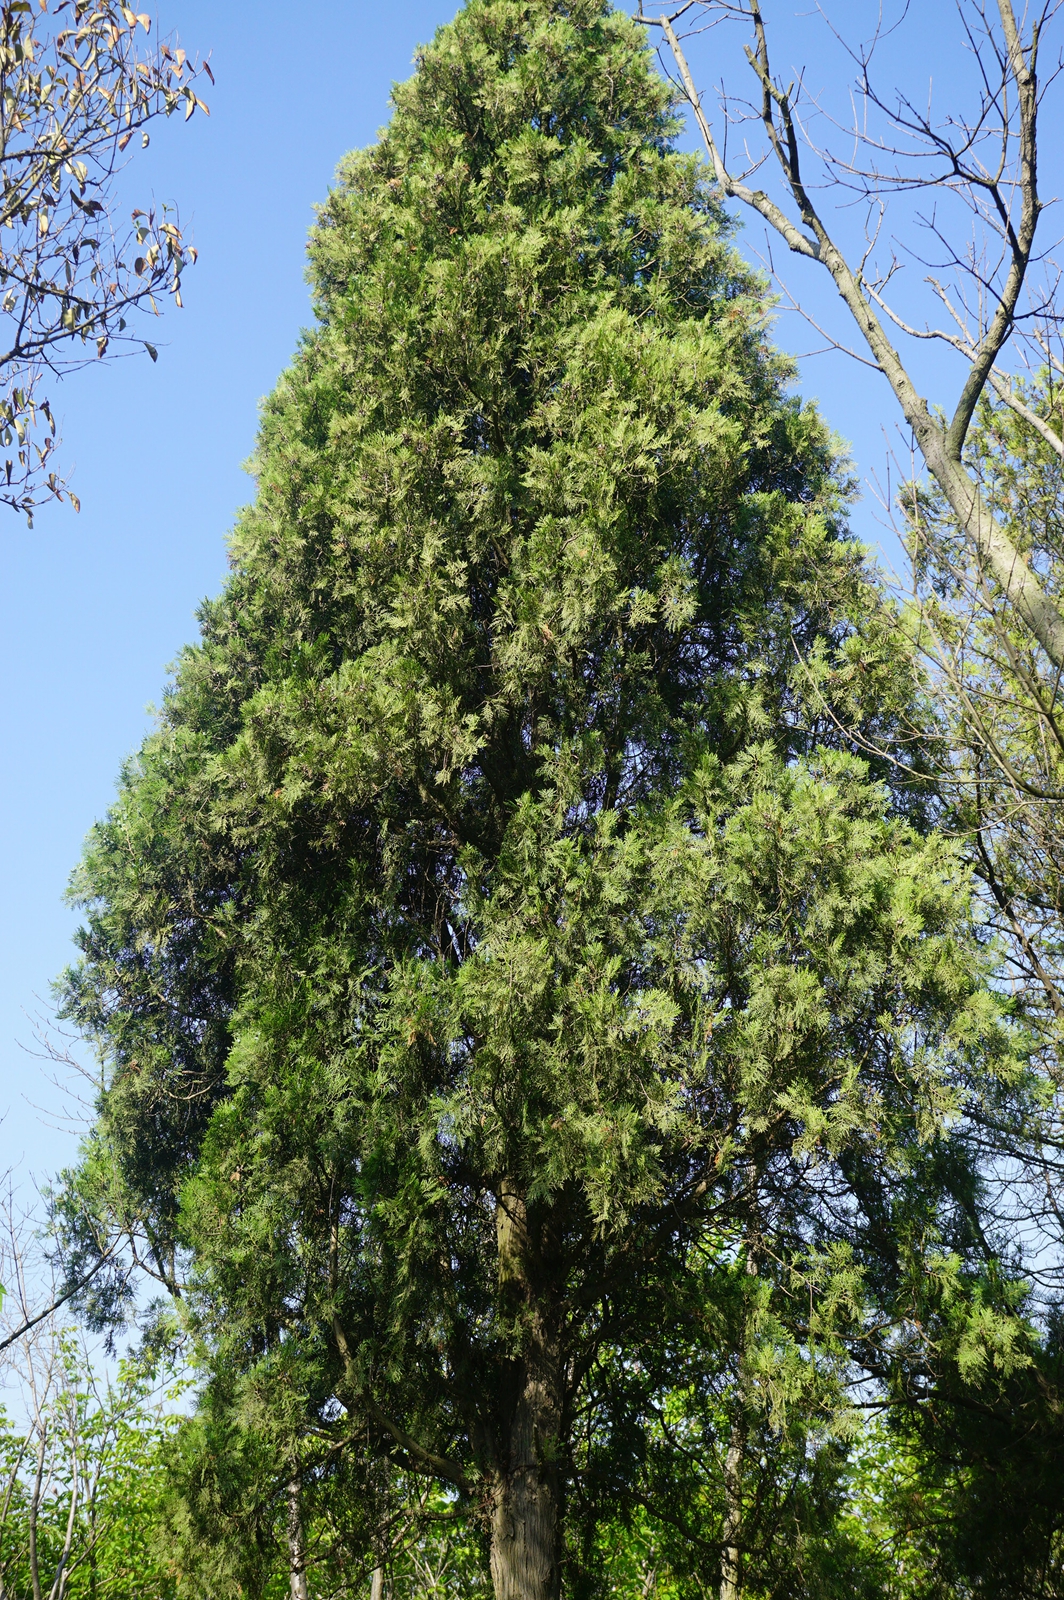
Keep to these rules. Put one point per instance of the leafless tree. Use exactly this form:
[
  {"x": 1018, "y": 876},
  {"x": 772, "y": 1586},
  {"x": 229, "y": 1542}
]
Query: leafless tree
[
  {"x": 983, "y": 279},
  {"x": 76, "y": 87}
]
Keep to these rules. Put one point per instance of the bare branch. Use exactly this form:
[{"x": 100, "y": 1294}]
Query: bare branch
[
  {"x": 54, "y": 1305},
  {"x": 941, "y": 445},
  {"x": 72, "y": 279}
]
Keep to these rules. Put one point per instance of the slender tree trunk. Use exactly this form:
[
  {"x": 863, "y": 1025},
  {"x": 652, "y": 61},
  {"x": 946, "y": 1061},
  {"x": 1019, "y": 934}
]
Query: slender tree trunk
[
  {"x": 297, "y": 1554},
  {"x": 34, "y": 1511},
  {"x": 376, "y": 1588},
  {"x": 733, "y": 1514},
  {"x": 526, "y": 1511},
  {"x": 731, "y": 1586}
]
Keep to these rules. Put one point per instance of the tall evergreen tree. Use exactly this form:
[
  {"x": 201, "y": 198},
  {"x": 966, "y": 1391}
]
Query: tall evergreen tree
[{"x": 495, "y": 968}]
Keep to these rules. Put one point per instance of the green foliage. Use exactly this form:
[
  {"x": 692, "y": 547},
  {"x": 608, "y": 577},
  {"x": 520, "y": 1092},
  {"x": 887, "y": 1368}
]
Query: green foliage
[
  {"x": 997, "y": 697},
  {"x": 513, "y": 991},
  {"x": 84, "y": 1483},
  {"x": 991, "y": 1466}
]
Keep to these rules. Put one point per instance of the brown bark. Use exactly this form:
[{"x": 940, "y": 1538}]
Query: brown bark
[{"x": 525, "y": 1517}]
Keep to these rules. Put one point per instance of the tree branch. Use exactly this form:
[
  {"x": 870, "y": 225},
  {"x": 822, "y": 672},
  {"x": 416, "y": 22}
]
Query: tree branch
[{"x": 941, "y": 447}]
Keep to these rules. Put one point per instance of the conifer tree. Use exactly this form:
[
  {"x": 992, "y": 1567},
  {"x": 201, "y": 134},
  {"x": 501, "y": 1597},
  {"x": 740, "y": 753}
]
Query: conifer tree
[{"x": 511, "y": 992}]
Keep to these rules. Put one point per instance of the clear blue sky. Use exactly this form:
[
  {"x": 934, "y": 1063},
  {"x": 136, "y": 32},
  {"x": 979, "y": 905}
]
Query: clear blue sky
[{"x": 94, "y": 607}]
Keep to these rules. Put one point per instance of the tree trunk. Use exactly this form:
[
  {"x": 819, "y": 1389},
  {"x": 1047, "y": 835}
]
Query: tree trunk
[
  {"x": 733, "y": 1515},
  {"x": 297, "y": 1557},
  {"x": 731, "y": 1575},
  {"x": 526, "y": 1509}
]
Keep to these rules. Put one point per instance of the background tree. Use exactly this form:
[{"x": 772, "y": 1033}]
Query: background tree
[
  {"x": 83, "y": 1480},
  {"x": 987, "y": 161},
  {"x": 993, "y": 1474},
  {"x": 997, "y": 703},
  {"x": 506, "y": 975},
  {"x": 75, "y": 90},
  {"x": 984, "y": 537}
]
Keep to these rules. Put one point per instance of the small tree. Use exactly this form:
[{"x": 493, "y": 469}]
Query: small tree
[
  {"x": 82, "y": 1469},
  {"x": 75, "y": 91},
  {"x": 83, "y": 1485},
  {"x": 501, "y": 984}
]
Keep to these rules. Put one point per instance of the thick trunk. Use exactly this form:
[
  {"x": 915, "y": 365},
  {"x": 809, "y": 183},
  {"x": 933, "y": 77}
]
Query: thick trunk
[
  {"x": 526, "y": 1510},
  {"x": 525, "y": 1523}
]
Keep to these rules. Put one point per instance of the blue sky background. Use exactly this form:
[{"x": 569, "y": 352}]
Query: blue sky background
[{"x": 93, "y": 608}]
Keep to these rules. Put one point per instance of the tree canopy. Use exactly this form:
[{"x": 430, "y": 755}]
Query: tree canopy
[{"x": 535, "y": 1040}]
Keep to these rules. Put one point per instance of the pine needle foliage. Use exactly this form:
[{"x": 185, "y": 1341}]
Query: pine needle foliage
[{"x": 491, "y": 957}]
